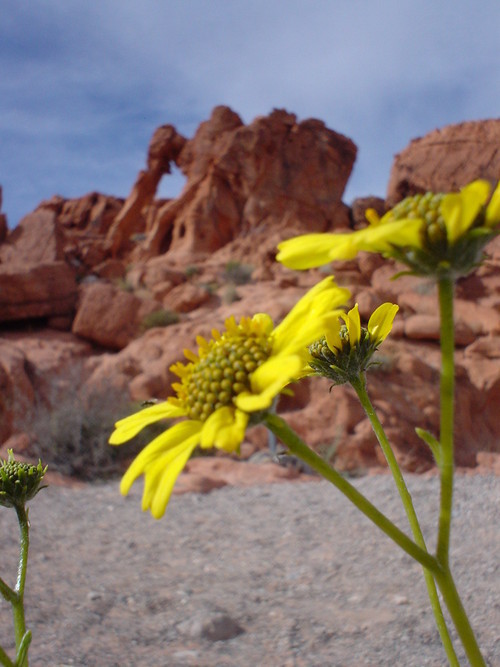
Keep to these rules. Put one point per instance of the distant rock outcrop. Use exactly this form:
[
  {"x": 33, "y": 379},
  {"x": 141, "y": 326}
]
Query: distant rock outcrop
[
  {"x": 273, "y": 175},
  {"x": 447, "y": 159},
  {"x": 82, "y": 282}
]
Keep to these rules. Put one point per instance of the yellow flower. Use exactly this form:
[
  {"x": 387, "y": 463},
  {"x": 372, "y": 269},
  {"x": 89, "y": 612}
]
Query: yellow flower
[
  {"x": 345, "y": 351},
  {"x": 235, "y": 375},
  {"x": 433, "y": 234}
]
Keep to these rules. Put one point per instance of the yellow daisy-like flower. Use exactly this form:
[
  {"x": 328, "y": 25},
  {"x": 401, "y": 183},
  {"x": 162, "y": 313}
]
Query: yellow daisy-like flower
[
  {"x": 234, "y": 376},
  {"x": 433, "y": 234},
  {"x": 345, "y": 350}
]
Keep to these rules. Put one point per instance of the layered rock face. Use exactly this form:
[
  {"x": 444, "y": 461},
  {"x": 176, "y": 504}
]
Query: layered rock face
[
  {"x": 446, "y": 159},
  {"x": 99, "y": 296}
]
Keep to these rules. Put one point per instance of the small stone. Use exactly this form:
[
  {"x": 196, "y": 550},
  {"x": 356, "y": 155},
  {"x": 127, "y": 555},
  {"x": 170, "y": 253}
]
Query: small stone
[
  {"x": 217, "y": 626},
  {"x": 399, "y": 599},
  {"x": 221, "y": 627}
]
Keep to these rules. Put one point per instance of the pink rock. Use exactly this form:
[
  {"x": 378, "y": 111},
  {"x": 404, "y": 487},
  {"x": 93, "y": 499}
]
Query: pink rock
[
  {"x": 185, "y": 298},
  {"x": 29, "y": 291},
  {"x": 35, "y": 240},
  {"x": 239, "y": 177},
  {"x": 205, "y": 473},
  {"x": 447, "y": 159},
  {"x": 109, "y": 316},
  {"x": 248, "y": 186}
]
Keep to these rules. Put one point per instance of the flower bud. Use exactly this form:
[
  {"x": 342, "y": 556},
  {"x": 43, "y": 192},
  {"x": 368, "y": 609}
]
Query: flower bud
[{"x": 19, "y": 481}]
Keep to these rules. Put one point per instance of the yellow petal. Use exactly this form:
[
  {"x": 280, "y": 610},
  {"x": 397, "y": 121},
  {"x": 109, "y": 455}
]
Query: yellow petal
[
  {"x": 185, "y": 431},
  {"x": 381, "y": 320},
  {"x": 311, "y": 250},
  {"x": 381, "y": 237},
  {"x": 268, "y": 381},
  {"x": 305, "y": 251},
  {"x": 459, "y": 210},
  {"x": 332, "y": 335},
  {"x": 353, "y": 324},
  {"x": 127, "y": 428},
  {"x": 303, "y": 324},
  {"x": 263, "y": 322},
  {"x": 372, "y": 216},
  {"x": 493, "y": 209},
  {"x": 161, "y": 476},
  {"x": 190, "y": 356},
  {"x": 224, "y": 429}
]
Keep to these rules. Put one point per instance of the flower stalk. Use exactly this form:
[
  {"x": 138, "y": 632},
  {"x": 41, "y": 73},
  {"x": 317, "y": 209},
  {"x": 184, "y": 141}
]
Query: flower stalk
[
  {"x": 447, "y": 419},
  {"x": 16, "y": 596},
  {"x": 19, "y": 483},
  {"x": 296, "y": 446},
  {"x": 444, "y": 578},
  {"x": 359, "y": 387}
]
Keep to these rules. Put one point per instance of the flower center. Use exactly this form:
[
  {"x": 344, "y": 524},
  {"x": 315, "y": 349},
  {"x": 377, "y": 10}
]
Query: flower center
[
  {"x": 222, "y": 372},
  {"x": 424, "y": 206}
]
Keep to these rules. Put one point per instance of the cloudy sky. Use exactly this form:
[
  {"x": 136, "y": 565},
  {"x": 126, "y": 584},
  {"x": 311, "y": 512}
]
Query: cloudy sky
[{"x": 83, "y": 84}]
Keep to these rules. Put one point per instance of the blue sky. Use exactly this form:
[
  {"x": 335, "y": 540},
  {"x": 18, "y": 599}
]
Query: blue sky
[{"x": 84, "y": 84}]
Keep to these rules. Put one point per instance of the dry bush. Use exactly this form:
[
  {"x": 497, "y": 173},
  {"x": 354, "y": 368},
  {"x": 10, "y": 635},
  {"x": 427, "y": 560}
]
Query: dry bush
[{"x": 72, "y": 433}]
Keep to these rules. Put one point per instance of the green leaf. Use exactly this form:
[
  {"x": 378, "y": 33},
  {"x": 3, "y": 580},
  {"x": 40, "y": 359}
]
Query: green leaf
[
  {"x": 430, "y": 440},
  {"x": 23, "y": 649}
]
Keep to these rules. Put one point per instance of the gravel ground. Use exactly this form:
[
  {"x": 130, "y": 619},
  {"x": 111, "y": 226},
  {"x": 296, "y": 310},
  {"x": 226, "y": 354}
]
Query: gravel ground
[{"x": 270, "y": 576}]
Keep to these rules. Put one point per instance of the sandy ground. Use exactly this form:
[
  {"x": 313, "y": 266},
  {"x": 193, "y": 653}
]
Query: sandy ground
[{"x": 271, "y": 576}]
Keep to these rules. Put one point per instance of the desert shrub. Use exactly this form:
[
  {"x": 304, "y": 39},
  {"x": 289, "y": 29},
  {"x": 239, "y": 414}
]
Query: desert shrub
[
  {"x": 211, "y": 287},
  {"x": 123, "y": 284},
  {"x": 231, "y": 294},
  {"x": 191, "y": 270},
  {"x": 160, "y": 318},
  {"x": 72, "y": 435},
  {"x": 238, "y": 273}
]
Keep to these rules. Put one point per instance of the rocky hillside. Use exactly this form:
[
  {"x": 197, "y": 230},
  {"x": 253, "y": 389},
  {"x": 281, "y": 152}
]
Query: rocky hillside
[{"x": 98, "y": 296}]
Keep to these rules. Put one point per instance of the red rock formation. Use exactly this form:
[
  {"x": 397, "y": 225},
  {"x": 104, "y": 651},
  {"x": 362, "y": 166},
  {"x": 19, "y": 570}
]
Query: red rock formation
[
  {"x": 29, "y": 291},
  {"x": 273, "y": 175},
  {"x": 164, "y": 148},
  {"x": 110, "y": 316},
  {"x": 248, "y": 186},
  {"x": 3, "y": 221},
  {"x": 447, "y": 159}
]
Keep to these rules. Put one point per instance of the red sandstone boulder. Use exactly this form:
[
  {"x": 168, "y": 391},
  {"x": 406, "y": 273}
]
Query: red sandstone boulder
[
  {"x": 447, "y": 159},
  {"x": 36, "y": 369},
  {"x": 35, "y": 240},
  {"x": 36, "y": 291},
  {"x": 16, "y": 392},
  {"x": 185, "y": 298},
  {"x": 110, "y": 316}
]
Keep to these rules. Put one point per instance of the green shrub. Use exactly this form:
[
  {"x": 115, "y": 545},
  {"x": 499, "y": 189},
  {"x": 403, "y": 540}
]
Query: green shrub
[
  {"x": 237, "y": 273},
  {"x": 192, "y": 271},
  {"x": 231, "y": 294},
  {"x": 123, "y": 284},
  {"x": 160, "y": 318}
]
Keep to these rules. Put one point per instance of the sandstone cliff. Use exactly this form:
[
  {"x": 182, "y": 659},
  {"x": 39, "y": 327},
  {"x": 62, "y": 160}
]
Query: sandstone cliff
[{"x": 83, "y": 283}]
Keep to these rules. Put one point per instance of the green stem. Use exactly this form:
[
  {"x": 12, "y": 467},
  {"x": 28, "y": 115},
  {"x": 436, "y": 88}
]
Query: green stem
[
  {"x": 447, "y": 397},
  {"x": 281, "y": 429},
  {"x": 18, "y": 602},
  {"x": 444, "y": 577},
  {"x": 459, "y": 617},
  {"x": 6, "y": 591},
  {"x": 359, "y": 386},
  {"x": 4, "y": 659}
]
